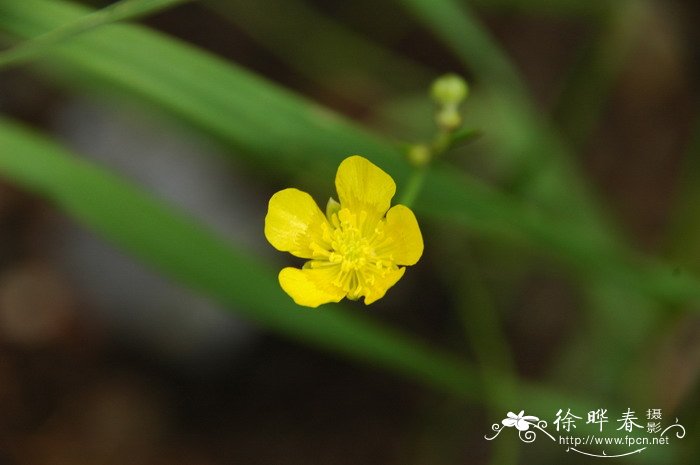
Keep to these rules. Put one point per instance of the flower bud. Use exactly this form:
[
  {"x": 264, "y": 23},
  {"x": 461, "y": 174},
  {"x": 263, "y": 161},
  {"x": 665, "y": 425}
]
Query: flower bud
[
  {"x": 449, "y": 118},
  {"x": 449, "y": 89},
  {"x": 419, "y": 155}
]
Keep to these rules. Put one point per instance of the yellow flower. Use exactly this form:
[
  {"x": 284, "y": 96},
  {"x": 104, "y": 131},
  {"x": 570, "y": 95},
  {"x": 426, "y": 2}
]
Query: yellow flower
[{"x": 358, "y": 248}]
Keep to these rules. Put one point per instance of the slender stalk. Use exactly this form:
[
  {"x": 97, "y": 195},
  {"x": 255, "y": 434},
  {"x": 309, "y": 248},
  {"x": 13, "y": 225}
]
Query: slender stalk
[
  {"x": 413, "y": 186},
  {"x": 119, "y": 11},
  {"x": 542, "y": 155},
  {"x": 441, "y": 143}
]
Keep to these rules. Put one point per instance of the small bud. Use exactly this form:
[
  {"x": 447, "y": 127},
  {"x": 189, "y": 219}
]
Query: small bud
[
  {"x": 332, "y": 207},
  {"x": 449, "y": 89},
  {"x": 449, "y": 118},
  {"x": 419, "y": 155}
]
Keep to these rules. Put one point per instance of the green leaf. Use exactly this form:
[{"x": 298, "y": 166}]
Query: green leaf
[
  {"x": 178, "y": 247},
  {"x": 119, "y": 11},
  {"x": 172, "y": 243},
  {"x": 273, "y": 126},
  {"x": 324, "y": 51},
  {"x": 289, "y": 134}
]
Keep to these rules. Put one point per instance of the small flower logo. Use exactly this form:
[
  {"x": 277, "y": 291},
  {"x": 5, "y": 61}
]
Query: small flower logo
[
  {"x": 359, "y": 248},
  {"x": 520, "y": 421}
]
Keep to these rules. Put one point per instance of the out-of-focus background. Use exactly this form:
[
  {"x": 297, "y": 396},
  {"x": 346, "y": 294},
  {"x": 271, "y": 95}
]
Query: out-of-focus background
[{"x": 587, "y": 111}]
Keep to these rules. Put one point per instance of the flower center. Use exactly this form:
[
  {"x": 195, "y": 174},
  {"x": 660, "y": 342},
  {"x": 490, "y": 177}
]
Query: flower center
[
  {"x": 357, "y": 247},
  {"x": 351, "y": 248}
]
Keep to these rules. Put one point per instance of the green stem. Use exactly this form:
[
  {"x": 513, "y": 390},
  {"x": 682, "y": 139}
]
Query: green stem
[
  {"x": 441, "y": 143},
  {"x": 414, "y": 186}
]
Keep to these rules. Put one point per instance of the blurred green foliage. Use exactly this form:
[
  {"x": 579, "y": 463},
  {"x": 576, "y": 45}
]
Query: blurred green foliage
[{"x": 548, "y": 208}]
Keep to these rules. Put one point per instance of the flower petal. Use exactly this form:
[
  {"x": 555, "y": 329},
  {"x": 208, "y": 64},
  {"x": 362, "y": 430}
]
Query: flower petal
[
  {"x": 382, "y": 284},
  {"x": 509, "y": 422},
  {"x": 311, "y": 287},
  {"x": 363, "y": 186},
  {"x": 406, "y": 245},
  {"x": 294, "y": 222},
  {"x": 522, "y": 425}
]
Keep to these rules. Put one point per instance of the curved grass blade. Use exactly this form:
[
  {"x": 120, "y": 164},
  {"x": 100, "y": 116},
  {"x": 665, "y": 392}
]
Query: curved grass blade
[
  {"x": 119, "y": 11},
  {"x": 181, "y": 249},
  {"x": 284, "y": 132},
  {"x": 547, "y": 172},
  {"x": 155, "y": 233},
  {"x": 319, "y": 48}
]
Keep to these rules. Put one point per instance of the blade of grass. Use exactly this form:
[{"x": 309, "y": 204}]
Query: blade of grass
[
  {"x": 593, "y": 76},
  {"x": 480, "y": 319},
  {"x": 155, "y": 233},
  {"x": 158, "y": 234},
  {"x": 319, "y": 48},
  {"x": 548, "y": 174},
  {"x": 274, "y": 126},
  {"x": 608, "y": 354},
  {"x": 283, "y": 132},
  {"x": 469, "y": 40},
  {"x": 119, "y": 11},
  {"x": 447, "y": 193},
  {"x": 544, "y": 163}
]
